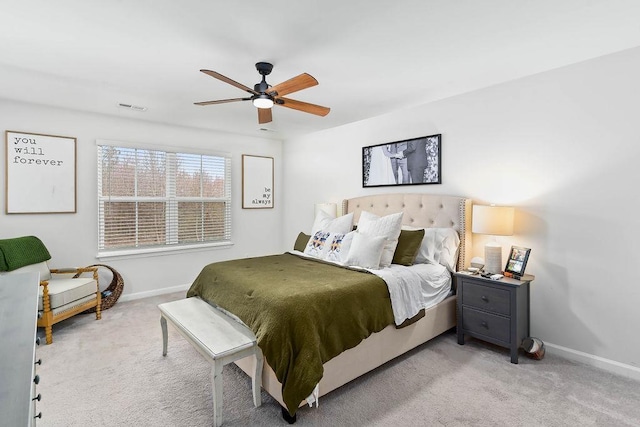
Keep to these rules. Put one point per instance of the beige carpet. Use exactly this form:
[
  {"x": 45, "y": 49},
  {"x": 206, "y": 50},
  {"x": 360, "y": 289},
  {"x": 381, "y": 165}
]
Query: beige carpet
[{"x": 111, "y": 373}]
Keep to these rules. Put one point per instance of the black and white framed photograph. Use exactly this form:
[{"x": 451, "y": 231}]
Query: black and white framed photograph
[
  {"x": 257, "y": 182},
  {"x": 410, "y": 162},
  {"x": 517, "y": 262},
  {"x": 40, "y": 173}
]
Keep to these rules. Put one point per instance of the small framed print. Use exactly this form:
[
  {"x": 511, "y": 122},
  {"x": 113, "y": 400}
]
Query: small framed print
[
  {"x": 257, "y": 182},
  {"x": 517, "y": 262}
]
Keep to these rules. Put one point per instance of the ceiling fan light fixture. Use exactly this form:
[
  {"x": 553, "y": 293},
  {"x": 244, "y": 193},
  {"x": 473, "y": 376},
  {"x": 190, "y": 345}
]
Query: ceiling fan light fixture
[
  {"x": 263, "y": 96},
  {"x": 263, "y": 101}
]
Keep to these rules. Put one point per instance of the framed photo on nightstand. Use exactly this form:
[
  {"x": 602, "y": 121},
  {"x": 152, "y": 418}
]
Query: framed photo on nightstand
[{"x": 517, "y": 262}]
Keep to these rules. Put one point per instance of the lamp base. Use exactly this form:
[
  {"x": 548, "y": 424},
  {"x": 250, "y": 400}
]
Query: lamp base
[{"x": 493, "y": 258}]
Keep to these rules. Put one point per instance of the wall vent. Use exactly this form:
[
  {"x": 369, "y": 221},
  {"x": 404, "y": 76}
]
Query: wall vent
[{"x": 132, "y": 107}]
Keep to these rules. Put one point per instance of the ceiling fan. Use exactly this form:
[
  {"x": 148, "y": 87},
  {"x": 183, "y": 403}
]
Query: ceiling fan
[{"x": 264, "y": 96}]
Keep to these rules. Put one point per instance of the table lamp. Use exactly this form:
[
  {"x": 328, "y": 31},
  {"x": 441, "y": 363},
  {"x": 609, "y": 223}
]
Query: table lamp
[
  {"x": 495, "y": 221},
  {"x": 328, "y": 208}
]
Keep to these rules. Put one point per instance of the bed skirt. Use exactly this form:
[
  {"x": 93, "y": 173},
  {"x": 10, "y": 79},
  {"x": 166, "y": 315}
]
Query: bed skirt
[{"x": 371, "y": 353}]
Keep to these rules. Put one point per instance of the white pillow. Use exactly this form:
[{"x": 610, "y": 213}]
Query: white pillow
[
  {"x": 388, "y": 227},
  {"x": 365, "y": 251},
  {"x": 325, "y": 222},
  {"x": 439, "y": 246}
]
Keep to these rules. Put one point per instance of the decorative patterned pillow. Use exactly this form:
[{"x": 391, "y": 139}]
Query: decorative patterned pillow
[
  {"x": 388, "y": 227},
  {"x": 317, "y": 244},
  {"x": 339, "y": 246}
]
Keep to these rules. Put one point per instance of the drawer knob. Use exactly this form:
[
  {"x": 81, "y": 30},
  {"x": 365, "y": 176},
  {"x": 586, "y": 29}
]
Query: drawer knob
[
  {"x": 484, "y": 324},
  {"x": 484, "y": 298},
  {"x": 38, "y": 341},
  {"x": 39, "y": 415},
  {"x": 38, "y": 362},
  {"x": 38, "y": 397},
  {"x": 36, "y": 379}
]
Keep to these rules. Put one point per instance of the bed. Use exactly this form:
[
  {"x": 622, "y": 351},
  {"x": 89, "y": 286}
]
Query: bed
[{"x": 385, "y": 340}]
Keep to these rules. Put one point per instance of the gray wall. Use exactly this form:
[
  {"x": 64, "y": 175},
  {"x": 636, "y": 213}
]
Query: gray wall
[
  {"x": 72, "y": 238},
  {"x": 562, "y": 147}
]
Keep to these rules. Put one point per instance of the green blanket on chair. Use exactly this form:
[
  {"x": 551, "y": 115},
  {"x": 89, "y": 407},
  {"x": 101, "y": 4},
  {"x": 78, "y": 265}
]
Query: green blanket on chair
[{"x": 21, "y": 251}]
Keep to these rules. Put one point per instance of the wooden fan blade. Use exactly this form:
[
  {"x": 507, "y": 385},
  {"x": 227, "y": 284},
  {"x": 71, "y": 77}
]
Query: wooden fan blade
[
  {"x": 294, "y": 84},
  {"x": 228, "y": 80},
  {"x": 318, "y": 110},
  {"x": 221, "y": 101},
  {"x": 264, "y": 115}
]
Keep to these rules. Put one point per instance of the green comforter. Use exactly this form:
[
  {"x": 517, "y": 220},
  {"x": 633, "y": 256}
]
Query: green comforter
[{"x": 303, "y": 312}]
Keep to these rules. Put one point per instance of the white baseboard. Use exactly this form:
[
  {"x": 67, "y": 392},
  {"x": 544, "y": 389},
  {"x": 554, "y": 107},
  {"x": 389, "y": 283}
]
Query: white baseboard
[
  {"x": 153, "y": 293},
  {"x": 618, "y": 368},
  {"x": 623, "y": 369}
]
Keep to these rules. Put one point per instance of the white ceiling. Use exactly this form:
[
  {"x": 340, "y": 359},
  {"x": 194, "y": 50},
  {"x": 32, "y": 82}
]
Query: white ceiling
[{"x": 370, "y": 57}]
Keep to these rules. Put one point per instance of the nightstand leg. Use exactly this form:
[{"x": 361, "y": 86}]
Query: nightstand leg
[
  {"x": 460, "y": 336},
  {"x": 514, "y": 355}
]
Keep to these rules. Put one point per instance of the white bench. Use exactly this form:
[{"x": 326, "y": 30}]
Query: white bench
[{"x": 219, "y": 338}]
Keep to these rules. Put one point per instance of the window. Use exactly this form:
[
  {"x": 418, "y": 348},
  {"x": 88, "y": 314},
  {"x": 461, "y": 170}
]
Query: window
[{"x": 153, "y": 200}]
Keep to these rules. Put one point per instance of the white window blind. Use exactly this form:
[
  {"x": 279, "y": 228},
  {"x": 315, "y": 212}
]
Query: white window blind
[{"x": 151, "y": 199}]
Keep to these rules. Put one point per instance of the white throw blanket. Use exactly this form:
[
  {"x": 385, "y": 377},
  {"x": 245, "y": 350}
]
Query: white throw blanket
[{"x": 413, "y": 288}]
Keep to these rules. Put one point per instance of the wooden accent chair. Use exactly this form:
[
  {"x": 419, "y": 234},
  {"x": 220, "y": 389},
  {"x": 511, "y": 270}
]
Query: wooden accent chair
[{"x": 63, "y": 293}]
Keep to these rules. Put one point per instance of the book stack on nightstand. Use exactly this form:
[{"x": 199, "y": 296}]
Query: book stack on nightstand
[{"x": 496, "y": 311}]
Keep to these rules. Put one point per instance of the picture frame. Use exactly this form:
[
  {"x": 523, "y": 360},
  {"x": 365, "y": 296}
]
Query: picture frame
[
  {"x": 257, "y": 182},
  {"x": 40, "y": 173},
  {"x": 517, "y": 262},
  {"x": 415, "y": 161}
]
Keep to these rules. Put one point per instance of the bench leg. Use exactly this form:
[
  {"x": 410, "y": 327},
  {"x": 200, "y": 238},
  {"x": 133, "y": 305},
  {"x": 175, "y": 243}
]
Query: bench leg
[
  {"x": 216, "y": 389},
  {"x": 256, "y": 385},
  {"x": 165, "y": 338}
]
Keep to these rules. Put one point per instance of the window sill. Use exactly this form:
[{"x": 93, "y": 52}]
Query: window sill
[{"x": 161, "y": 251}]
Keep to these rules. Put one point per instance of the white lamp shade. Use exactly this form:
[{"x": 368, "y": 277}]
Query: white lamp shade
[
  {"x": 495, "y": 220},
  {"x": 328, "y": 208}
]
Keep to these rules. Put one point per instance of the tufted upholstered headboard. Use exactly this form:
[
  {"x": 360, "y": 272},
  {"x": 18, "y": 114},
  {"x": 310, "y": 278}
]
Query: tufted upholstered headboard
[{"x": 421, "y": 210}]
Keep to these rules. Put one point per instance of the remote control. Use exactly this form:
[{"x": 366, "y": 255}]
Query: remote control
[{"x": 496, "y": 276}]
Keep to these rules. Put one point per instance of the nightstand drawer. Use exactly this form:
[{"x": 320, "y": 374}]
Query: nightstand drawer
[
  {"x": 489, "y": 325},
  {"x": 486, "y": 298}
]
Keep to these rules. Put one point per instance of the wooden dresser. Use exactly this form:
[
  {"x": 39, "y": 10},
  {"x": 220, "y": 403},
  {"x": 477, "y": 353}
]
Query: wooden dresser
[{"x": 18, "y": 378}]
